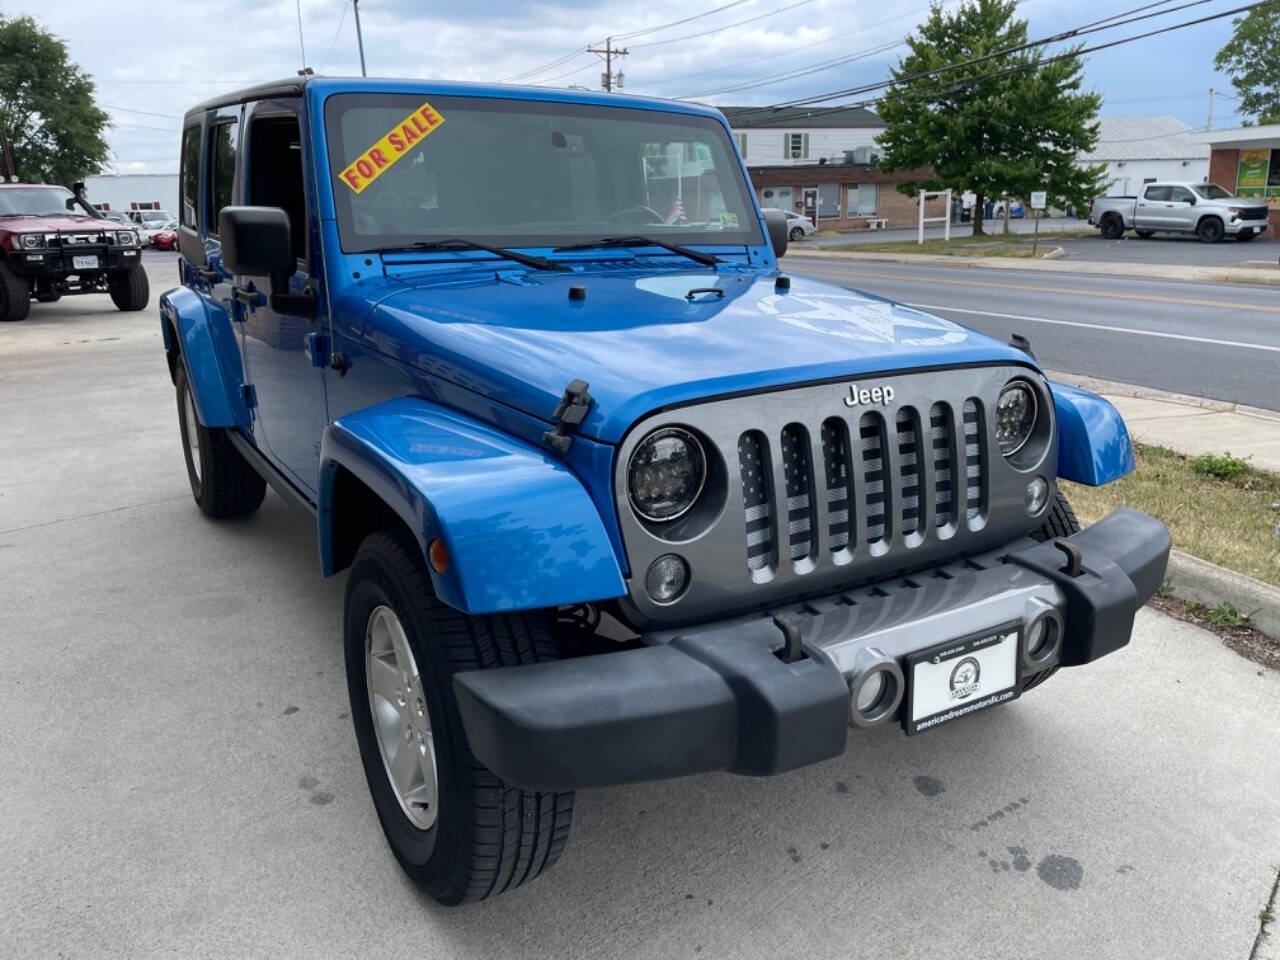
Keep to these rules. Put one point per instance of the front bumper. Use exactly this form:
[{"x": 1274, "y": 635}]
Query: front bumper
[
  {"x": 1236, "y": 225},
  {"x": 57, "y": 264},
  {"x": 719, "y": 697}
]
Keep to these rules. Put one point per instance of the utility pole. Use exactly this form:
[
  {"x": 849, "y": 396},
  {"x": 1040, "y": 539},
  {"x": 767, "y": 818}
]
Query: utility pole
[
  {"x": 1209, "y": 125},
  {"x": 355, "y": 5},
  {"x": 608, "y": 79}
]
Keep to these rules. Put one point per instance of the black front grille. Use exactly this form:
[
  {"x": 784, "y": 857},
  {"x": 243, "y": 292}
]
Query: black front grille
[
  {"x": 1254, "y": 213},
  {"x": 757, "y": 503}
]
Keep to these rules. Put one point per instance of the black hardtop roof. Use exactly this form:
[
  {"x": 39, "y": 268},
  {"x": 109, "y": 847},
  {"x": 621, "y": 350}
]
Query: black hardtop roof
[{"x": 262, "y": 91}]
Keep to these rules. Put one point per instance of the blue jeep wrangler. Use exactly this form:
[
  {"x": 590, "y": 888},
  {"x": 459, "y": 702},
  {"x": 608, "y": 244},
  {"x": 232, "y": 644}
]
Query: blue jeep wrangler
[{"x": 617, "y": 499}]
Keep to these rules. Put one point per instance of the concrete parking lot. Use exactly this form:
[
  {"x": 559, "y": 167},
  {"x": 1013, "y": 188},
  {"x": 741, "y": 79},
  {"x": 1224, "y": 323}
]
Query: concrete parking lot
[{"x": 180, "y": 777}]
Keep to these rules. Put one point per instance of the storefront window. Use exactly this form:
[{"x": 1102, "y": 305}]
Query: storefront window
[
  {"x": 828, "y": 201},
  {"x": 1259, "y": 175},
  {"x": 862, "y": 199}
]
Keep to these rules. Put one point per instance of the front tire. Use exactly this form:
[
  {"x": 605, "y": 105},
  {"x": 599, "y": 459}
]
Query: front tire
[
  {"x": 222, "y": 481},
  {"x": 1059, "y": 521},
  {"x": 1210, "y": 230},
  {"x": 130, "y": 289},
  {"x": 458, "y": 831},
  {"x": 15, "y": 295}
]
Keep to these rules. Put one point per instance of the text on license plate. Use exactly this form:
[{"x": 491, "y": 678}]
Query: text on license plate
[
  {"x": 84, "y": 263},
  {"x": 956, "y": 679}
]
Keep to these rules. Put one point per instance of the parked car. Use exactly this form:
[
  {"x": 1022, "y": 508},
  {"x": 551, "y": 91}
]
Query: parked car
[
  {"x": 146, "y": 218},
  {"x": 1017, "y": 210},
  {"x": 166, "y": 236},
  {"x": 617, "y": 499},
  {"x": 1206, "y": 210},
  {"x": 53, "y": 243},
  {"x": 119, "y": 216},
  {"x": 798, "y": 226}
]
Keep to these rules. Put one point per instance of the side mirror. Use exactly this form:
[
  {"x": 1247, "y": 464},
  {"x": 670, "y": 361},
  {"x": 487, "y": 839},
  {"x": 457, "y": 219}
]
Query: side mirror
[
  {"x": 256, "y": 242},
  {"x": 1191, "y": 200},
  {"x": 776, "y": 221}
]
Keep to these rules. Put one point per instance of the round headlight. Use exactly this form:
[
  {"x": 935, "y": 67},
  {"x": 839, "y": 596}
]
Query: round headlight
[
  {"x": 666, "y": 475},
  {"x": 1015, "y": 416}
]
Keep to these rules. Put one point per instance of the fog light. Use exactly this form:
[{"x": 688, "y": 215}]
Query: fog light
[
  {"x": 667, "y": 578},
  {"x": 871, "y": 690},
  {"x": 1037, "y": 495}
]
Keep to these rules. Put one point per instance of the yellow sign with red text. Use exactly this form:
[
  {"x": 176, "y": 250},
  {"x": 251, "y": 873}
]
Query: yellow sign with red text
[{"x": 370, "y": 165}]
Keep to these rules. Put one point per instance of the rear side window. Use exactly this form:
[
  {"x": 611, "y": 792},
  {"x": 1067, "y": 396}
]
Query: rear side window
[
  {"x": 222, "y": 170},
  {"x": 190, "y": 177},
  {"x": 1157, "y": 193}
]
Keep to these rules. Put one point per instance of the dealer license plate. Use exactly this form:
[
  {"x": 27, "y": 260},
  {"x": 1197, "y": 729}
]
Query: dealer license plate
[
  {"x": 84, "y": 263},
  {"x": 953, "y": 680}
]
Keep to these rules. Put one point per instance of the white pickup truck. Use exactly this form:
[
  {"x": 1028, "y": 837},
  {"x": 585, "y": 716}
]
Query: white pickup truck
[{"x": 1205, "y": 209}]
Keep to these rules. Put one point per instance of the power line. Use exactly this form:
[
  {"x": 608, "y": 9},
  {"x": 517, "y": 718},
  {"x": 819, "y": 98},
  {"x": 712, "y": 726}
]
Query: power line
[
  {"x": 676, "y": 23},
  {"x": 1017, "y": 68},
  {"x": 799, "y": 71},
  {"x": 334, "y": 42},
  {"x": 578, "y": 51},
  {"x": 145, "y": 113},
  {"x": 727, "y": 26}
]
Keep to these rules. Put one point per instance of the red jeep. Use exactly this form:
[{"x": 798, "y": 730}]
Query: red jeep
[{"x": 52, "y": 242}]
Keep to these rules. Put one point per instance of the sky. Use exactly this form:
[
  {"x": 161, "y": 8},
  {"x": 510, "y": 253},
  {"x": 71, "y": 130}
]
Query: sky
[{"x": 152, "y": 59}]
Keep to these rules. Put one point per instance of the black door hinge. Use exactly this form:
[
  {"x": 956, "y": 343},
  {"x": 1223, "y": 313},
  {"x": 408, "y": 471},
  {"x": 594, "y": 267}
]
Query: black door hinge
[
  {"x": 569, "y": 413},
  {"x": 250, "y": 396}
]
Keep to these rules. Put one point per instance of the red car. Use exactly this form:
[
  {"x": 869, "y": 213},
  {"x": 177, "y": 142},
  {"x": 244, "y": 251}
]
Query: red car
[{"x": 166, "y": 238}]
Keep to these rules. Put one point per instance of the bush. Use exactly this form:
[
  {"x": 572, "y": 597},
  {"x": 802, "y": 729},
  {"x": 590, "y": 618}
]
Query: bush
[{"x": 1219, "y": 466}]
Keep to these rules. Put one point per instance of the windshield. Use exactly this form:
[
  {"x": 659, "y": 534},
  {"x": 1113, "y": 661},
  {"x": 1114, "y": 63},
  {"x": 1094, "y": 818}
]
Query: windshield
[
  {"x": 35, "y": 201},
  {"x": 529, "y": 173},
  {"x": 155, "y": 216},
  {"x": 1211, "y": 191}
]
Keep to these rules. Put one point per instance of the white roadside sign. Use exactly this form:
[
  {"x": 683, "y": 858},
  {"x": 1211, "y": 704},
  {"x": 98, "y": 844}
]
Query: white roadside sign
[{"x": 1038, "y": 198}]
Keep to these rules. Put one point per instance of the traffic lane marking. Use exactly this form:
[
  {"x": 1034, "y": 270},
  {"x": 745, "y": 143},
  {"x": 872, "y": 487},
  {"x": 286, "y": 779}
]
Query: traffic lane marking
[
  {"x": 1069, "y": 291},
  {"x": 1099, "y": 326}
]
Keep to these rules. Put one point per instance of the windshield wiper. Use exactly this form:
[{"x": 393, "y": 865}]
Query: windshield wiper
[
  {"x": 636, "y": 240},
  {"x": 457, "y": 243}
]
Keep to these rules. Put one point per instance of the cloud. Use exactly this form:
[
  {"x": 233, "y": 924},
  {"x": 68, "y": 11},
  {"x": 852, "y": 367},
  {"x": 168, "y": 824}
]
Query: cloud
[{"x": 161, "y": 56}]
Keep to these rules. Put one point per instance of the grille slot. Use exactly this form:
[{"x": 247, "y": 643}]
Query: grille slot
[
  {"x": 941, "y": 430},
  {"x": 756, "y": 502},
  {"x": 972, "y": 459},
  {"x": 837, "y": 473},
  {"x": 799, "y": 482},
  {"x": 908, "y": 441},
  {"x": 871, "y": 432}
]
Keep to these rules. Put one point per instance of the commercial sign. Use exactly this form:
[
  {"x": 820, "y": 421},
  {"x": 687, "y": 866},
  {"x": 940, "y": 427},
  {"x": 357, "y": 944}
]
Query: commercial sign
[{"x": 1254, "y": 165}]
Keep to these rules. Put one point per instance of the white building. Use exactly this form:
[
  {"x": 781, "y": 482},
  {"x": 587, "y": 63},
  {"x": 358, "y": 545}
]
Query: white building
[
  {"x": 133, "y": 190},
  {"x": 1138, "y": 150}
]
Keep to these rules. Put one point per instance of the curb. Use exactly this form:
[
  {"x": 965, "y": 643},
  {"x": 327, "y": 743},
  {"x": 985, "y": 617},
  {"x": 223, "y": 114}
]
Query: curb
[
  {"x": 1191, "y": 578},
  {"x": 1056, "y": 264}
]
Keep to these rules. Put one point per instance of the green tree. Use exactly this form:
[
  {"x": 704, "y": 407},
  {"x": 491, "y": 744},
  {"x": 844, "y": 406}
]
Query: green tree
[
  {"x": 47, "y": 109},
  {"x": 1009, "y": 124},
  {"x": 1252, "y": 60}
]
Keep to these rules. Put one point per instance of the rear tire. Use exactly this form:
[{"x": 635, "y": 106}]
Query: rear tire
[
  {"x": 1059, "y": 521},
  {"x": 222, "y": 481},
  {"x": 130, "y": 289},
  {"x": 1112, "y": 227},
  {"x": 1145, "y": 234},
  {"x": 1209, "y": 230},
  {"x": 468, "y": 835},
  {"x": 15, "y": 295}
]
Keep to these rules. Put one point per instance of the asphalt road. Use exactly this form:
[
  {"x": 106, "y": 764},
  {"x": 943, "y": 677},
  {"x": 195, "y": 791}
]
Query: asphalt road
[
  {"x": 180, "y": 778},
  {"x": 1210, "y": 340}
]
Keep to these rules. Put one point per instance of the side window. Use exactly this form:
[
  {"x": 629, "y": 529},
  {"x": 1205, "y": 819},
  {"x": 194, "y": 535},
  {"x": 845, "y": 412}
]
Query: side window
[
  {"x": 222, "y": 169},
  {"x": 190, "y": 178},
  {"x": 1157, "y": 193},
  {"x": 1180, "y": 195},
  {"x": 276, "y": 173}
]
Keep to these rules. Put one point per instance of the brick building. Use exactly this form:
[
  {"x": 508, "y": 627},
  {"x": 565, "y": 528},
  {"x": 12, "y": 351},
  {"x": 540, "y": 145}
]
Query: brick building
[
  {"x": 822, "y": 162},
  {"x": 1246, "y": 161}
]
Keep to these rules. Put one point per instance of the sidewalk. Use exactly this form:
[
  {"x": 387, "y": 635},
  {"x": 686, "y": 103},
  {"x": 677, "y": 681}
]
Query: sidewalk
[
  {"x": 1266, "y": 273},
  {"x": 1190, "y": 425}
]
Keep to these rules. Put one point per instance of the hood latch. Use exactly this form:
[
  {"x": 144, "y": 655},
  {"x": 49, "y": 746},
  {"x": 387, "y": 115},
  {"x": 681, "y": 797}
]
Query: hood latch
[{"x": 569, "y": 414}]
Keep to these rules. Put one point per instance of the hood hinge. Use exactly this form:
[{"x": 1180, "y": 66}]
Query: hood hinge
[{"x": 569, "y": 414}]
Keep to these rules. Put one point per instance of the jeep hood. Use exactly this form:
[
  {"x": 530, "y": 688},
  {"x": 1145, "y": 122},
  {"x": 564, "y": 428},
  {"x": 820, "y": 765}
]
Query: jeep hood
[{"x": 641, "y": 343}]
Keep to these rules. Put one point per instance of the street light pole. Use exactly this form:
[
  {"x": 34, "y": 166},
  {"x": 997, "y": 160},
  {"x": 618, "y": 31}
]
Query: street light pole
[{"x": 355, "y": 4}]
